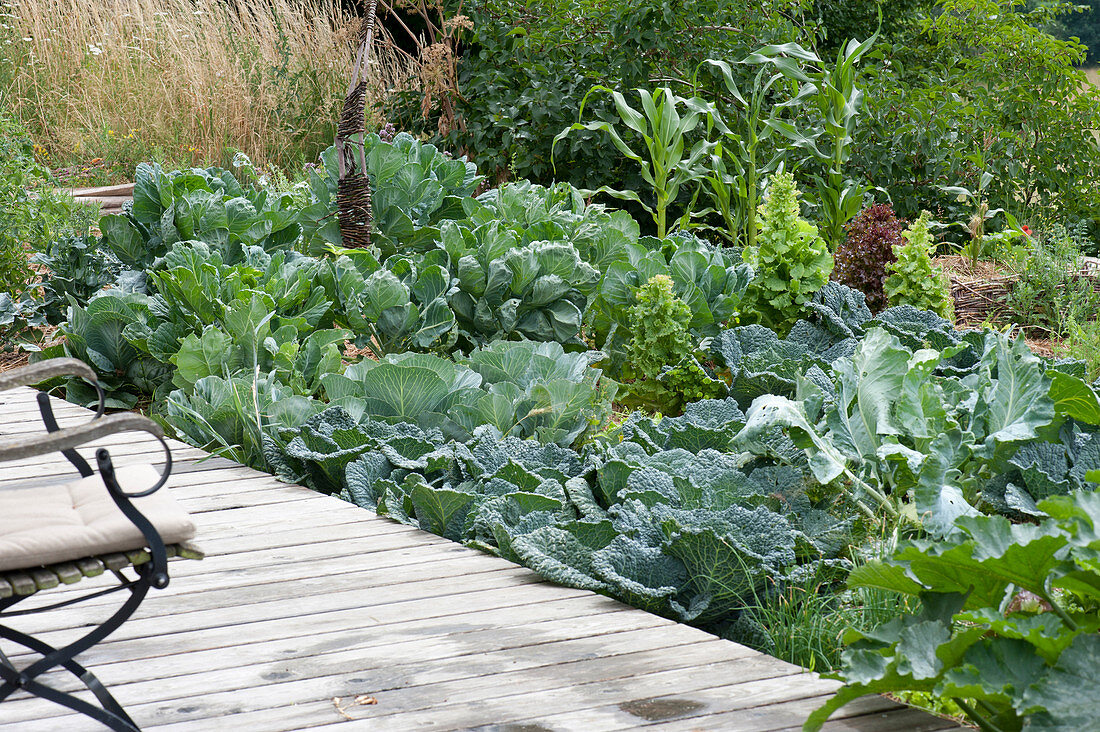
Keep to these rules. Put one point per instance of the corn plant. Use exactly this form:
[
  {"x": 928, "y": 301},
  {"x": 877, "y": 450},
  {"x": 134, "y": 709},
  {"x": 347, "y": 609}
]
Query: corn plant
[
  {"x": 667, "y": 163},
  {"x": 838, "y": 103},
  {"x": 735, "y": 167}
]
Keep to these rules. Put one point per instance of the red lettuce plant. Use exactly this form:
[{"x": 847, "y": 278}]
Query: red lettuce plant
[{"x": 861, "y": 260}]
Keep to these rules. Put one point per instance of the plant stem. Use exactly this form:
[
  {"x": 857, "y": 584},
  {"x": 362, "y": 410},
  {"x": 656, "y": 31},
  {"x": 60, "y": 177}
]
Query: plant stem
[
  {"x": 1058, "y": 610},
  {"x": 983, "y": 724}
]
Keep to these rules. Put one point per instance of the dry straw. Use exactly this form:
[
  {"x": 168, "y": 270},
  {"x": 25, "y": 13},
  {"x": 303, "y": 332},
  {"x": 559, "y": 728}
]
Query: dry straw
[{"x": 197, "y": 78}]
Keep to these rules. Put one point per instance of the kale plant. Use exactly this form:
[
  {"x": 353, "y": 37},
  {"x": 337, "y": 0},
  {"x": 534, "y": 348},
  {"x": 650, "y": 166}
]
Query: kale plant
[{"x": 76, "y": 266}]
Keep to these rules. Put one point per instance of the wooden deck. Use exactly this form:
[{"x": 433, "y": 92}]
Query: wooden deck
[{"x": 309, "y": 611}]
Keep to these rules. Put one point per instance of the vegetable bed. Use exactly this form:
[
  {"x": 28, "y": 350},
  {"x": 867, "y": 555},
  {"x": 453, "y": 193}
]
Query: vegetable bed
[{"x": 502, "y": 332}]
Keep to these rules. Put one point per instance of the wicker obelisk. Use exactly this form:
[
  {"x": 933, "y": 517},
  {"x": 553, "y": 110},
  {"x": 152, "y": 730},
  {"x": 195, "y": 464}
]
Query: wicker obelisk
[{"x": 353, "y": 194}]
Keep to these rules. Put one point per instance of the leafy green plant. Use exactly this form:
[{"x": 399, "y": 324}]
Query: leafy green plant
[
  {"x": 660, "y": 352},
  {"x": 710, "y": 280},
  {"x": 197, "y": 205},
  {"x": 558, "y": 213},
  {"x": 526, "y": 70},
  {"x": 747, "y": 124},
  {"x": 1008, "y": 621},
  {"x": 237, "y": 417},
  {"x": 668, "y": 159},
  {"x": 400, "y": 306},
  {"x": 506, "y": 290},
  {"x": 656, "y": 515},
  {"x": 791, "y": 260},
  {"x": 95, "y": 334},
  {"x": 912, "y": 279},
  {"x": 34, "y": 212},
  {"x": 1024, "y": 129},
  {"x": 1050, "y": 291},
  {"x": 1082, "y": 341},
  {"x": 837, "y": 102},
  {"x": 20, "y": 321},
  {"x": 211, "y": 318},
  {"x": 861, "y": 261},
  {"x": 521, "y": 389},
  {"x": 77, "y": 266},
  {"x": 659, "y": 337}
]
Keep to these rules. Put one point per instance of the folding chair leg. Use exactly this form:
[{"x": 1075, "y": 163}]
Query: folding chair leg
[{"x": 110, "y": 712}]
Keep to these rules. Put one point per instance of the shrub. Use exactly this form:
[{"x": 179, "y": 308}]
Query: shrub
[
  {"x": 912, "y": 279},
  {"x": 526, "y": 67},
  {"x": 792, "y": 262},
  {"x": 1050, "y": 294},
  {"x": 32, "y": 213},
  {"x": 862, "y": 259}
]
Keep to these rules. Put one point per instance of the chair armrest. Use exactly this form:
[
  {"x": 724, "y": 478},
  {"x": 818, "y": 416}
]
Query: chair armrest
[
  {"x": 36, "y": 372},
  {"x": 70, "y": 437}
]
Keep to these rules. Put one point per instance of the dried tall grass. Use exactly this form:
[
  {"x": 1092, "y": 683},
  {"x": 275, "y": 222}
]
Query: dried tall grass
[{"x": 182, "y": 81}]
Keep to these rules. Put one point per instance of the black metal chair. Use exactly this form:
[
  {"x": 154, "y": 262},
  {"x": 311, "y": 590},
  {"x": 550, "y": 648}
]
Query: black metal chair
[{"x": 54, "y": 533}]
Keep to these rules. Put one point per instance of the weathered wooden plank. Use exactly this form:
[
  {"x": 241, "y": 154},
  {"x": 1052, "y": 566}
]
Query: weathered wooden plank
[
  {"x": 869, "y": 714},
  {"x": 602, "y": 672},
  {"x": 405, "y": 564},
  {"x": 322, "y": 558},
  {"x": 447, "y": 591},
  {"x": 124, "y": 190},
  {"x": 485, "y": 611},
  {"x": 441, "y": 657},
  {"x": 453, "y": 635}
]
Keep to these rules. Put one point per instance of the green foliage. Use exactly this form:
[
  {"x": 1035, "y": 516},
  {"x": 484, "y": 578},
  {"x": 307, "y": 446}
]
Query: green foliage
[
  {"x": 659, "y": 338},
  {"x": 710, "y": 280},
  {"x": 1050, "y": 292},
  {"x": 1020, "y": 71},
  {"x": 791, "y": 260},
  {"x": 95, "y": 335},
  {"x": 836, "y": 103},
  {"x": 19, "y": 318},
  {"x": 506, "y": 290},
  {"x": 659, "y": 517},
  {"x": 527, "y": 68},
  {"x": 521, "y": 389},
  {"x": 667, "y": 158},
  {"x": 402, "y": 305},
  {"x": 34, "y": 213},
  {"x": 76, "y": 267},
  {"x": 197, "y": 205},
  {"x": 1082, "y": 341},
  {"x": 210, "y": 318},
  {"x": 941, "y": 114},
  {"x": 238, "y": 418},
  {"x": 912, "y": 279},
  {"x": 1008, "y": 621},
  {"x": 659, "y": 324}
]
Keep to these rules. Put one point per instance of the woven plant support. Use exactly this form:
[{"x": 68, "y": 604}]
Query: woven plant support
[
  {"x": 353, "y": 195},
  {"x": 353, "y": 204},
  {"x": 983, "y": 298}
]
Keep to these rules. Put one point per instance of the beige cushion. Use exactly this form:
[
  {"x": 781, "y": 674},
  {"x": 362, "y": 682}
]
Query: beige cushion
[{"x": 43, "y": 524}]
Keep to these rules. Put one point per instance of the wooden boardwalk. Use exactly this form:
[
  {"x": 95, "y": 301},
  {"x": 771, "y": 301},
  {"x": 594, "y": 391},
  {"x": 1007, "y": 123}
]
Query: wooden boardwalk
[{"x": 311, "y": 612}]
